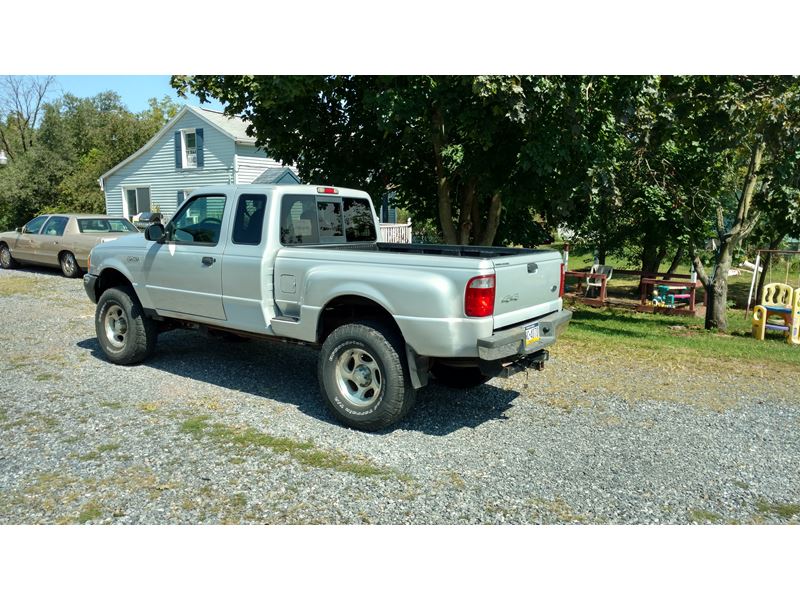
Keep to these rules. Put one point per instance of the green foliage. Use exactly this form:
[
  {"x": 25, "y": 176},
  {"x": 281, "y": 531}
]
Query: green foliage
[{"x": 76, "y": 141}]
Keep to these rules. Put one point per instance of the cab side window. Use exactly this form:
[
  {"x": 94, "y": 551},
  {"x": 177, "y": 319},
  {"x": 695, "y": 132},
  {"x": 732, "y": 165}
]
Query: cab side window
[
  {"x": 299, "y": 220},
  {"x": 248, "y": 223},
  {"x": 198, "y": 222},
  {"x": 55, "y": 226}
]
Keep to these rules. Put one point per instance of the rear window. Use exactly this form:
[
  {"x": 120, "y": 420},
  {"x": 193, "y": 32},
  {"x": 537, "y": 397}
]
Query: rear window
[
  {"x": 105, "y": 226},
  {"x": 325, "y": 220},
  {"x": 358, "y": 222}
]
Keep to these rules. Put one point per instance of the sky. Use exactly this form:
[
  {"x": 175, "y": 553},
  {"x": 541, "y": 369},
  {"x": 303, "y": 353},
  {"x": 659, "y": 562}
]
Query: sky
[{"x": 135, "y": 90}]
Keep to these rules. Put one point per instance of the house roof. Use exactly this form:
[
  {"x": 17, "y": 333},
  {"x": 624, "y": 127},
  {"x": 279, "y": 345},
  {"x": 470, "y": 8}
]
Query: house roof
[
  {"x": 277, "y": 175},
  {"x": 233, "y": 127}
]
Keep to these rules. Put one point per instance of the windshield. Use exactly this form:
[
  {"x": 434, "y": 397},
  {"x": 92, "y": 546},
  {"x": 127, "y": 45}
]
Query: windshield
[{"x": 105, "y": 225}]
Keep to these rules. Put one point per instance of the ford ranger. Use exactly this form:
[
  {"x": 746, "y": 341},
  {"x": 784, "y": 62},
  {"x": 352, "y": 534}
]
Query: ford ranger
[{"x": 306, "y": 264}]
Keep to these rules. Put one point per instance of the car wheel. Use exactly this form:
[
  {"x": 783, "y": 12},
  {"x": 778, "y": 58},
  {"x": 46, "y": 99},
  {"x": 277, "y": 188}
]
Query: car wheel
[
  {"x": 6, "y": 260},
  {"x": 69, "y": 266},
  {"x": 363, "y": 376},
  {"x": 125, "y": 334},
  {"x": 461, "y": 378}
]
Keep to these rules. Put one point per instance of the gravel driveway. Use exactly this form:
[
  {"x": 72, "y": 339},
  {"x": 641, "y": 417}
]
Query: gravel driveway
[{"x": 210, "y": 431}]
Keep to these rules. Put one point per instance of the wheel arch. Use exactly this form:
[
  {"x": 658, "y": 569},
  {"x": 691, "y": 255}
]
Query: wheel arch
[
  {"x": 111, "y": 277},
  {"x": 351, "y": 308}
]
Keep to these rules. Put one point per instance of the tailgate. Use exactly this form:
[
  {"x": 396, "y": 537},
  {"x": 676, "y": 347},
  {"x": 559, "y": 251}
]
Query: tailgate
[{"x": 527, "y": 286}]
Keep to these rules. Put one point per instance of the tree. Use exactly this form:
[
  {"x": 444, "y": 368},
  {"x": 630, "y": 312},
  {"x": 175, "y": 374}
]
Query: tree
[
  {"x": 21, "y": 104},
  {"x": 452, "y": 146},
  {"x": 74, "y": 141},
  {"x": 740, "y": 127}
]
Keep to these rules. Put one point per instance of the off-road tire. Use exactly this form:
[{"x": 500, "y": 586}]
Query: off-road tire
[
  {"x": 460, "y": 378},
  {"x": 6, "y": 260},
  {"x": 69, "y": 266},
  {"x": 379, "y": 353},
  {"x": 124, "y": 333}
]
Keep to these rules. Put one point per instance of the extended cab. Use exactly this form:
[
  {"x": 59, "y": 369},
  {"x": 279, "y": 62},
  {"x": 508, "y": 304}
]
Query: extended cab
[{"x": 306, "y": 264}]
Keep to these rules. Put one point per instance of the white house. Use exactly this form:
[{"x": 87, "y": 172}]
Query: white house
[{"x": 198, "y": 147}]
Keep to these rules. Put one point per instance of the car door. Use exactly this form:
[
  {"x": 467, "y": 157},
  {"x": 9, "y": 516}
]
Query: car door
[
  {"x": 183, "y": 272},
  {"x": 25, "y": 247},
  {"x": 49, "y": 242}
]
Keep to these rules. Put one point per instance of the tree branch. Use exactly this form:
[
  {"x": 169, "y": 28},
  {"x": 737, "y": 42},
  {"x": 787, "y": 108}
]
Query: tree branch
[{"x": 698, "y": 265}]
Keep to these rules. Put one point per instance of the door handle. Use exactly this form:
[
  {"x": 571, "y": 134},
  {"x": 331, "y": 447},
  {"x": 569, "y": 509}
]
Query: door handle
[{"x": 209, "y": 260}]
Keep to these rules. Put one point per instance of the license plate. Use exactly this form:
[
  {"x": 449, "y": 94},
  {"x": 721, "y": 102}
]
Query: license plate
[{"x": 531, "y": 334}]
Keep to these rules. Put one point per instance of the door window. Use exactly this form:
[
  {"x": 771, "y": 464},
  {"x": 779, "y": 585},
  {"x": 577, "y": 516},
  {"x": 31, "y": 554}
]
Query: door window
[
  {"x": 55, "y": 226},
  {"x": 198, "y": 222},
  {"x": 249, "y": 220},
  {"x": 34, "y": 225}
]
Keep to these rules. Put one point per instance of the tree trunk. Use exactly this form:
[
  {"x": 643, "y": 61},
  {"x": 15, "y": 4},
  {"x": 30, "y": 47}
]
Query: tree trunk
[
  {"x": 652, "y": 255},
  {"x": 676, "y": 261},
  {"x": 765, "y": 263},
  {"x": 465, "y": 223},
  {"x": 717, "y": 293},
  {"x": 717, "y": 286},
  {"x": 442, "y": 181},
  {"x": 601, "y": 255},
  {"x": 493, "y": 221}
]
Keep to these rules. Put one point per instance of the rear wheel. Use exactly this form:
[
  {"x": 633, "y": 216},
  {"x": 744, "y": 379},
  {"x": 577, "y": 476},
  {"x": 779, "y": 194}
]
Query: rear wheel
[
  {"x": 363, "y": 376},
  {"x": 6, "y": 260},
  {"x": 459, "y": 377},
  {"x": 125, "y": 334},
  {"x": 69, "y": 266}
]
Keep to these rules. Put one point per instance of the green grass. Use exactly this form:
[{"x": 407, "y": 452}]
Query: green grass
[
  {"x": 17, "y": 285},
  {"x": 673, "y": 338},
  {"x": 782, "y": 510},
  {"x": 95, "y": 454},
  {"x": 302, "y": 451},
  {"x": 89, "y": 512},
  {"x": 3, "y": 414},
  {"x": 703, "y": 516}
]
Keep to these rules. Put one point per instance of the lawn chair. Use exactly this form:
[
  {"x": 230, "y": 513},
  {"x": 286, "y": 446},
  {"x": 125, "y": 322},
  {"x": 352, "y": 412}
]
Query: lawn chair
[{"x": 593, "y": 285}]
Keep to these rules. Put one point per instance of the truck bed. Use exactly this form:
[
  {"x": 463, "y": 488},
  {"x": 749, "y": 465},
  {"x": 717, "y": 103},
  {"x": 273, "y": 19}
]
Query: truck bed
[{"x": 431, "y": 249}]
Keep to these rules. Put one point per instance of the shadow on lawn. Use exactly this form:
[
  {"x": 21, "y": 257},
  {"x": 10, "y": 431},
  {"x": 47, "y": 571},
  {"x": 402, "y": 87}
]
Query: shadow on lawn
[
  {"x": 589, "y": 317},
  {"x": 287, "y": 373}
]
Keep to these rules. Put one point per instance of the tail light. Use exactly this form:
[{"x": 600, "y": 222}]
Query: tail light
[
  {"x": 561, "y": 286},
  {"x": 479, "y": 296}
]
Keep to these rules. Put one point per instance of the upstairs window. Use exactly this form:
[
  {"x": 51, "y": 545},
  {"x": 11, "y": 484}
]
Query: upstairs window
[{"x": 189, "y": 149}]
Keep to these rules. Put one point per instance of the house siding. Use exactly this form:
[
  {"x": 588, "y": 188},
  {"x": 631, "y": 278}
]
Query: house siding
[
  {"x": 156, "y": 168},
  {"x": 251, "y": 162}
]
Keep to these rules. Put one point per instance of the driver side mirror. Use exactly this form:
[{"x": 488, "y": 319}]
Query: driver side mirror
[
  {"x": 155, "y": 232},
  {"x": 19, "y": 230}
]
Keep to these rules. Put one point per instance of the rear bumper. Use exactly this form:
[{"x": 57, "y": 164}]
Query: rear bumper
[{"x": 499, "y": 352}]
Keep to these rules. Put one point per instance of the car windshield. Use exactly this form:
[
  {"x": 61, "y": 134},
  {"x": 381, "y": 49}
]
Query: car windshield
[{"x": 105, "y": 225}]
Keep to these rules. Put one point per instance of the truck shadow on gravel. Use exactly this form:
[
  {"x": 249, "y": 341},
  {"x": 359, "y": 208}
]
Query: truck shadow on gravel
[{"x": 288, "y": 374}]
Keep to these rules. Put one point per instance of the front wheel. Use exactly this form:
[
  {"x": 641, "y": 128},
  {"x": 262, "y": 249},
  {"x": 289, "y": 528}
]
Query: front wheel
[
  {"x": 69, "y": 266},
  {"x": 363, "y": 376},
  {"x": 125, "y": 334}
]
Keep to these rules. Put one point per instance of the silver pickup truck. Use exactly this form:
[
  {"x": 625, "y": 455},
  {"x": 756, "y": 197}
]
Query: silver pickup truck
[{"x": 306, "y": 264}]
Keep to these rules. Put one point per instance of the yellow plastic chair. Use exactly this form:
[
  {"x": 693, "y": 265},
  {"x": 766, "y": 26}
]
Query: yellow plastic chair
[{"x": 782, "y": 301}]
